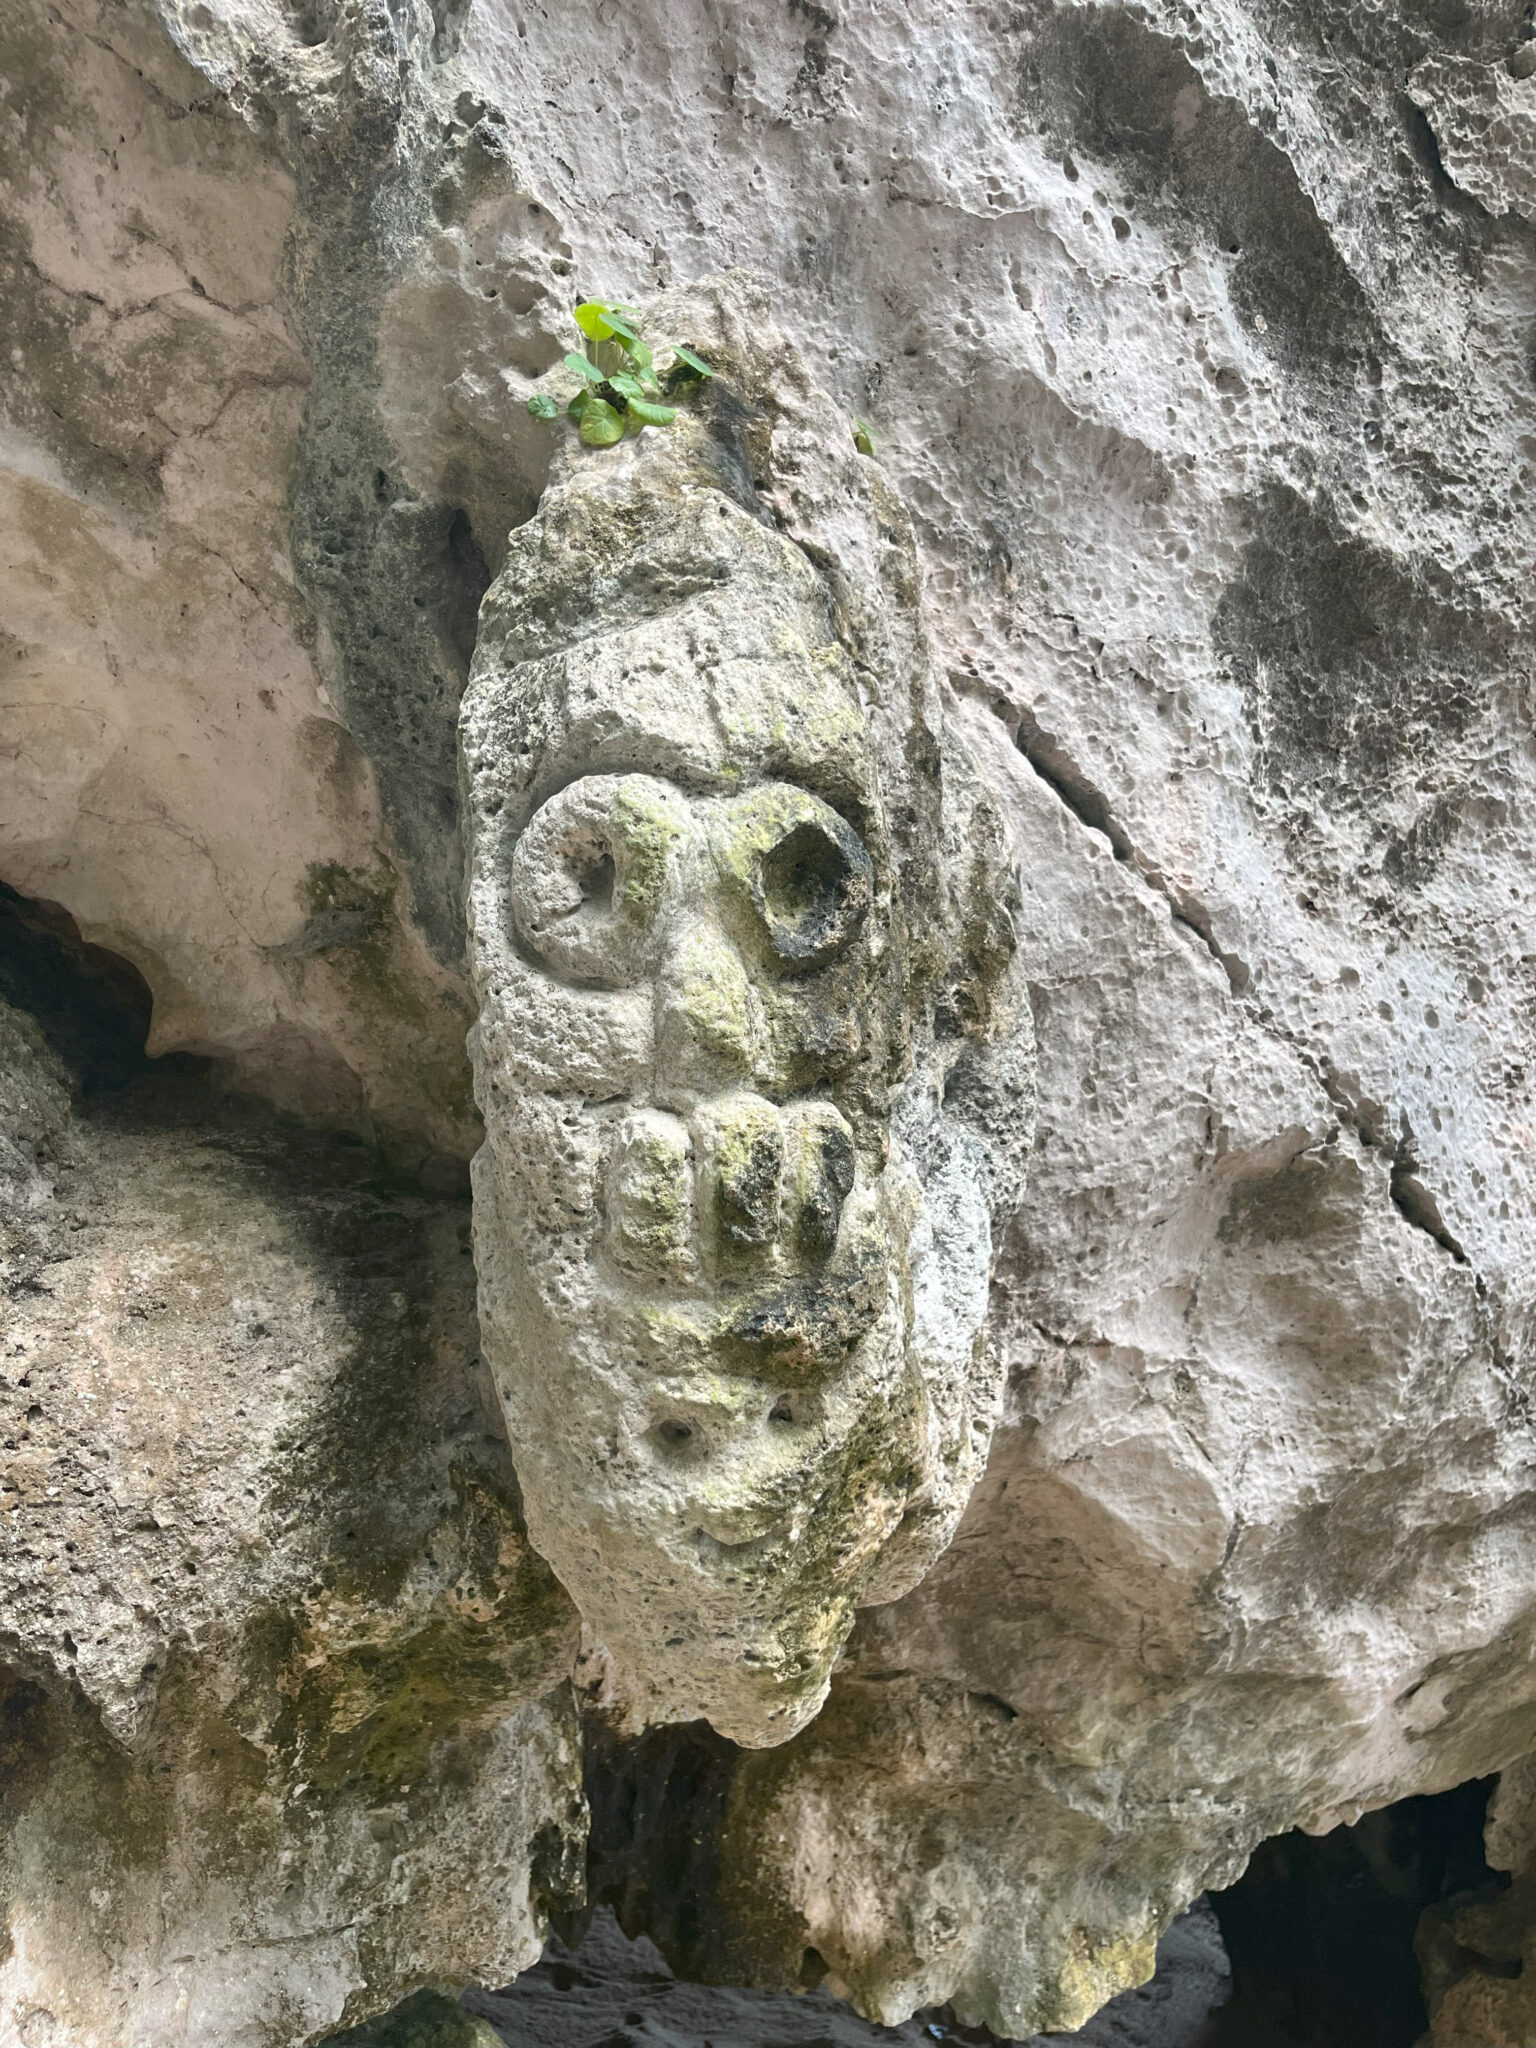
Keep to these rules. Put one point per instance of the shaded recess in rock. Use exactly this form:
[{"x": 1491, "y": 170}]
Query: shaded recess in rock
[
  {"x": 395, "y": 577},
  {"x": 93, "y": 1005},
  {"x": 612, "y": 1993},
  {"x": 1320, "y": 1929},
  {"x": 658, "y": 1805},
  {"x": 1106, "y": 83},
  {"x": 1353, "y": 671},
  {"x": 1313, "y": 1947}
]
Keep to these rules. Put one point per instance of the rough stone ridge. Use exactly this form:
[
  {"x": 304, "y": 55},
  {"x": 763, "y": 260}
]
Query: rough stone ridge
[
  {"x": 753, "y": 1083},
  {"x": 282, "y": 1729},
  {"x": 1196, "y": 337}
]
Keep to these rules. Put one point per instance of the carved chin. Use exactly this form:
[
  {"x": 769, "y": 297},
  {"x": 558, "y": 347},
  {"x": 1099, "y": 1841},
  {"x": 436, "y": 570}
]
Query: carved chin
[
  {"x": 713, "y": 1473},
  {"x": 729, "y": 1610}
]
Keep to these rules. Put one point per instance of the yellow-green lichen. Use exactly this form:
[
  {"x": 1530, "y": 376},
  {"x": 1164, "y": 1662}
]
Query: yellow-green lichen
[
  {"x": 1091, "y": 1974},
  {"x": 650, "y": 823}
]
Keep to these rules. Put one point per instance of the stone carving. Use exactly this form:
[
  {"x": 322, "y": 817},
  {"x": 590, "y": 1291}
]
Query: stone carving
[{"x": 734, "y": 1254}]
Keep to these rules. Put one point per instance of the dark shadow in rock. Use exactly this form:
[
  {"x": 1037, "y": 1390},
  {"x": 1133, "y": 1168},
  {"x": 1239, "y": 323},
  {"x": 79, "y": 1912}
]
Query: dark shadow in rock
[
  {"x": 1357, "y": 671},
  {"x": 1120, "y": 91},
  {"x": 94, "y": 1006},
  {"x": 658, "y": 1806},
  {"x": 612, "y": 1993},
  {"x": 1320, "y": 1929}
]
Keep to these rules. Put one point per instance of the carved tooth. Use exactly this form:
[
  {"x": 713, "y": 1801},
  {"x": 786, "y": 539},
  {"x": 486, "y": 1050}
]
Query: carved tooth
[{"x": 650, "y": 1198}]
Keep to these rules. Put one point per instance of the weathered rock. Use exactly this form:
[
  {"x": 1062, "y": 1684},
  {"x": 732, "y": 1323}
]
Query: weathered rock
[
  {"x": 1478, "y": 1952},
  {"x": 1197, "y": 342},
  {"x": 1484, "y": 119},
  {"x": 284, "y": 1730},
  {"x": 753, "y": 1085},
  {"x": 179, "y": 779}
]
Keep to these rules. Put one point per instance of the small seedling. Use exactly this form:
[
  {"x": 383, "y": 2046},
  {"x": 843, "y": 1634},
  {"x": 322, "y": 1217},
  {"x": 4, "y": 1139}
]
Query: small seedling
[
  {"x": 863, "y": 439},
  {"x": 621, "y": 392}
]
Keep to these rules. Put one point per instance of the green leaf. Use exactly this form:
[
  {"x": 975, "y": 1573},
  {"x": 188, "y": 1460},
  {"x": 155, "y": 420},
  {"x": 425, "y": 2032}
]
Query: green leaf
[
  {"x": 601, "y": 426},
  {"x": 543, "y": 407},
  {"x": 620, "y": 326},
  {"x": 641, "y": 352},
  {"x": 578, "y": 404},
  {"x": 652, "y": 415},
  {"x": 592, "y": 319},
  {"x": 583, "y": 368},
  {"x": 863, "y": 439},
  {"x": 630, "y": 385},
  {"x": 694, "y": 362}
]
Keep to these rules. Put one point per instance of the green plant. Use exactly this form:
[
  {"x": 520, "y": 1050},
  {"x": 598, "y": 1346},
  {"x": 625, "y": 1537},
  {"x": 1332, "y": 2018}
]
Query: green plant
[
  {"x": 863, "y": 439},
  {"x": 621, "y": 389}
]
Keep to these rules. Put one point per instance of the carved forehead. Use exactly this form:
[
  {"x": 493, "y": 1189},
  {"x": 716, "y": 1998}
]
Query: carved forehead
[{"x": 736, "y": 686}]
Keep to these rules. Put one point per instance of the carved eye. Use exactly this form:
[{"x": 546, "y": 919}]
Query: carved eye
[
  {"x": 588, "y": 871},
  {"x": 812, "y": 884}
]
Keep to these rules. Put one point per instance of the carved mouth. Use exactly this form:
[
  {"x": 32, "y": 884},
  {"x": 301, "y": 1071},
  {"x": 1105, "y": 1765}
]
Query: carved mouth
[
  {"x": 807, "y": 1327},
  {"x": 745, "y": 1549},
  {"x": 741, "y": 1189}
]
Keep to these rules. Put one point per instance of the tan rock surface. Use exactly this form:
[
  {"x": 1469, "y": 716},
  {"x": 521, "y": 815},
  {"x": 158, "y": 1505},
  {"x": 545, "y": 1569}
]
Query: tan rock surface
[
  {"x": 282, "y": 1728},
  {"x": 1203, "y": 366},
  {"x": 178, "y": 778}
]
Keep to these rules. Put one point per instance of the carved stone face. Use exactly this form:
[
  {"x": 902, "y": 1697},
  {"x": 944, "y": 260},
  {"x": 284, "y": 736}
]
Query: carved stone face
[{"x": 693, "y": 1223}]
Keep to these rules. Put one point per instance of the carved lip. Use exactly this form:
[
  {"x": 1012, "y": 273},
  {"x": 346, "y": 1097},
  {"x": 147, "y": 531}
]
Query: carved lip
[
  {"x": 793, "y": 1330},
  {"x": 745, "y": 1549}
]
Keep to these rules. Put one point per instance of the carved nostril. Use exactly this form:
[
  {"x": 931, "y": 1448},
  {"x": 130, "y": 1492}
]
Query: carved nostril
[
  {"x": 742, "y": 1142},
  {"x": 826, "y": 1177},
  {"x": 674, "y": 1435}
]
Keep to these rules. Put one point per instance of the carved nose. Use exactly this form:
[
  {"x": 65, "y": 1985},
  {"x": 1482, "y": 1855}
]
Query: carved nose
[
  {"x": 773, "y": 1182},
  {"x": 709, "y": 1022}
]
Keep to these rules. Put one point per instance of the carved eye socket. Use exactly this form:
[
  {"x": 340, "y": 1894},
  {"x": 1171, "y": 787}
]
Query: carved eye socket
[
  {"x": 812, "y": 886},
  {"x": 587, "y": 875}
]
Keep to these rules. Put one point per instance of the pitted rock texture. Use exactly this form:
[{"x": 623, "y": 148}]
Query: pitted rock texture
[
  {"x": 280, "y": 1677},
  {"x": 740, "y": 926},
  {"x": 178, "y": 778},
  {"x": 1197, "y": 340},
  {"x": 1477, "y": 1951}
]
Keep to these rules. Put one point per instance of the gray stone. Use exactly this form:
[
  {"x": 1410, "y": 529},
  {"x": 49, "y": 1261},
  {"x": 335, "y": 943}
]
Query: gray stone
[
  {"x": 608, "y": 1989},
  {"x": 753, "y": 1076},
  {"x": 1196, "y": 347},
  {"x": 280, "y": 1678}
]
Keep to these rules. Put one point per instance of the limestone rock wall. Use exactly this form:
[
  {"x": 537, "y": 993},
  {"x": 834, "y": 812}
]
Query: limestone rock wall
[
  {"x": 284, "y": 1728},
  {"x": 1198, "y": 341}
]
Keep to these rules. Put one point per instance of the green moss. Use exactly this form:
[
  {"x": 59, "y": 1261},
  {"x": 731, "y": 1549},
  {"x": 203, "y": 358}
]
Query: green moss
[
  {"x": 1091, "y": 1974},
  {"x": 376, "y": 1667},
  {"x": 650, "y": 827},
  {"x": 353, "y": 922}
]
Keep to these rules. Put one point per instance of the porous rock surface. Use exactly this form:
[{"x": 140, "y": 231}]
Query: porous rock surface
[
  {"x": 282, "y": 1727},
  {"x": 1197, "y": 340},
  {"x": 757, "y": 1079}
]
